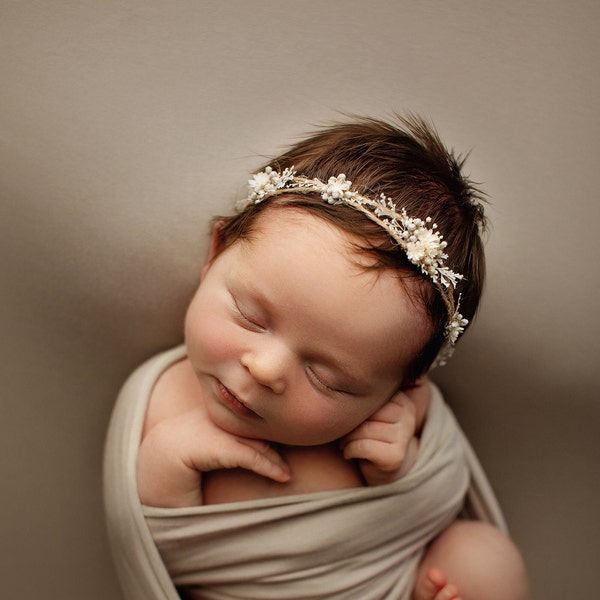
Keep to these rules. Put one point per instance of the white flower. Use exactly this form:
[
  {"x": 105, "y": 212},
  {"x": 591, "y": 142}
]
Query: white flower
[
  {"x": 337, "y": 188},
  {"x": 455, "y": 327},
  {"x": 263, "y": 183},
  {"x": 424, "y": 247}
]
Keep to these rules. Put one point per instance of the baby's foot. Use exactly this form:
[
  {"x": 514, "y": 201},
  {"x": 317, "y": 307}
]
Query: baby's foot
[{"x": 435, "y": 587}]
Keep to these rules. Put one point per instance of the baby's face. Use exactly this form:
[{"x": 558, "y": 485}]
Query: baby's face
[{"x": 291, "y": 340}]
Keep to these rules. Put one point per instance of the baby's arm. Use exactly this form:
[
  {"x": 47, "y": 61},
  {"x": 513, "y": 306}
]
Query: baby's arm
[
  {"x": 175, "y": 452},
  {"x": 386, "y": 444}
]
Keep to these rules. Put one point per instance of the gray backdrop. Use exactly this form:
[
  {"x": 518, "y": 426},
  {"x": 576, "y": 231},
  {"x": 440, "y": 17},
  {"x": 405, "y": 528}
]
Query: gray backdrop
[{"x": 125, "y": 125}]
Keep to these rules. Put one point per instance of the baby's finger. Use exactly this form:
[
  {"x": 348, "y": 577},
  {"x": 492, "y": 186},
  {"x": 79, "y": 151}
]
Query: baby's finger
[
  {"x": 262, "y": 459},
  {"x": 376, "y": 453},
  {"x": 399, "y": 406},
  {"x": 366, "y": 449},
  {"x": 381, "y": 455},
  {"x": 265, "y": 448},
  {"x": 401, "y": 431}
]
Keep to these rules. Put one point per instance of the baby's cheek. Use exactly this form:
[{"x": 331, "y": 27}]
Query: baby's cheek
[
  {"x": 200, "y": 330},
  {"x": 325, "y": 424},
  {"x": 211, "y": 340}
]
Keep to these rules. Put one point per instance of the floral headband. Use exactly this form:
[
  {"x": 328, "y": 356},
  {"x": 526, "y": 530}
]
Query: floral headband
[{"x": 423, "y": 244}]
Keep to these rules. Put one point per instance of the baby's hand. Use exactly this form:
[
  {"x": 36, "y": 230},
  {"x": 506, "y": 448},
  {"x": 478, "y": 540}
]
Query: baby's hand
[
  {"x": 385, "y": 444},
  {"x": 177, "y": 450}
]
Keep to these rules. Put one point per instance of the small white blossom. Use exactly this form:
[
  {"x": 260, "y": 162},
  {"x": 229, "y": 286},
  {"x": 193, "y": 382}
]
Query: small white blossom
[
  {"x": 263, "y": 183},
  {"x": 425, "y": 246},
  {"x": 455, "y": 327},
  {"x": 337, "y": 188}
]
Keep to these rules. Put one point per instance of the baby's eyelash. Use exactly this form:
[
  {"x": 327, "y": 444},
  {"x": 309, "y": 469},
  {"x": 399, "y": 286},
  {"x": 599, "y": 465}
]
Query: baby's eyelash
[
  {"x": 246, "y": 320},
  {"x": 322, "y": 384}
]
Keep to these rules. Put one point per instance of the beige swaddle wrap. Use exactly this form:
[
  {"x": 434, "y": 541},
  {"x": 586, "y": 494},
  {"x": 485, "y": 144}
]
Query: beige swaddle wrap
[{"x": 359, "y": 543}]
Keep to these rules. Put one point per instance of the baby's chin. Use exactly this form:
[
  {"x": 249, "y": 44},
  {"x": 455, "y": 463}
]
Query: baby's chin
[{"x": 260, "y": 430}]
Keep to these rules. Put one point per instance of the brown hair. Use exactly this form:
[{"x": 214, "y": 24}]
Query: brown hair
[{"x": 407, "y": 162}]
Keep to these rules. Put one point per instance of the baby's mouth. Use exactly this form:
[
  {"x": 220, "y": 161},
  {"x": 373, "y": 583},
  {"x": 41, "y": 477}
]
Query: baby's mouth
[{"x": 233, "y": 402}]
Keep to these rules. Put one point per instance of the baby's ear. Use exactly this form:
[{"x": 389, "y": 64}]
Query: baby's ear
[{"x": 215, "y": 247}]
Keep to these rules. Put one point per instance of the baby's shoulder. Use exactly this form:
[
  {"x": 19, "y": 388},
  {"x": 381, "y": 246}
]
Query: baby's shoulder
[{"x": 174, "y": 392}]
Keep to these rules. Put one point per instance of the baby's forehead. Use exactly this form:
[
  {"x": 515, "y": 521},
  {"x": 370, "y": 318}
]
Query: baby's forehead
[
  {"x": 296, "y": 227},
  {"x": 297, "y": 259},
  {"x": 361, "y": 246},
  {"x": 282, "y": 219},
  {"x": 284, "y": 213}
]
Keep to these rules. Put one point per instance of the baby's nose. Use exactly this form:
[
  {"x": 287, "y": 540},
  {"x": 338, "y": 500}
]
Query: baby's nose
[{"x": 268, "y": 366}]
